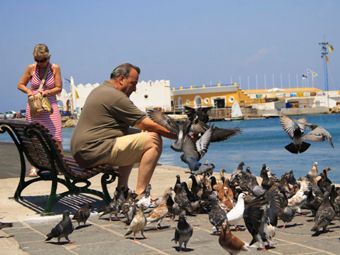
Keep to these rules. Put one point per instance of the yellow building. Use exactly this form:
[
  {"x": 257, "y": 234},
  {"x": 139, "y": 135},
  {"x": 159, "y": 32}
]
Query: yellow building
[
  {"x": 223, "y": 96},
  {"x": 219, "y": 96}
]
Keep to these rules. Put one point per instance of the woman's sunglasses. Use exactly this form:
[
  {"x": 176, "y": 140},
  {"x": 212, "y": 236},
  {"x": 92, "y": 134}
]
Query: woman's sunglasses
[{"x": 43, "y": 60}]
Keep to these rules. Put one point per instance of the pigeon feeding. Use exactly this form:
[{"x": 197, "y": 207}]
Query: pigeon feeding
[
  {"x": 183, "y": 232},
  {"x": 63, "y": 229},
  {"x": 82, "y": 214}
]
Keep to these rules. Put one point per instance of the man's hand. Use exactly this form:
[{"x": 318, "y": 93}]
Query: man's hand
[{"x": 149, "y": 125}]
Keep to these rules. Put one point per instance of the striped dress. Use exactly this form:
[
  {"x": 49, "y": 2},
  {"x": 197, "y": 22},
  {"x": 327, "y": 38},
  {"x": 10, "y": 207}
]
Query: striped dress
[{"x": 51, "y": 121}]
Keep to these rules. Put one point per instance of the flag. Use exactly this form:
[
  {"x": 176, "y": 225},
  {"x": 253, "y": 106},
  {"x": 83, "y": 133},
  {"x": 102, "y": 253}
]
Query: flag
[
  {"x": 314, "y": 74},
  {"x": 330, "y": 48},
  {"x": 76, "y": 93},
  {"x": 304, "y": 76}
]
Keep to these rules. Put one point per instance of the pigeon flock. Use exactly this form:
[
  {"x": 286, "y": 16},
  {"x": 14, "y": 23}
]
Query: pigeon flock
[{"x": 238, "y": 201}]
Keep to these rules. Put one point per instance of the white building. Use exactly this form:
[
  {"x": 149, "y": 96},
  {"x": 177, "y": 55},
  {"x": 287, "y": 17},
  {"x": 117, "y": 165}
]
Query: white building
[{"x": 149, "y": 94}]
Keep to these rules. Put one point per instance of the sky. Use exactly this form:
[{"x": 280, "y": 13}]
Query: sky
[{"x": 188, "y": 42}]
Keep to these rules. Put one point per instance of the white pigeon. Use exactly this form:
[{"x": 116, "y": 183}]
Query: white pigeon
[{"x": 236, "y": 214}]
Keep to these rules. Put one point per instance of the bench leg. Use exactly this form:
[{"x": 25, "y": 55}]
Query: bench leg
[
  {"x": 105, "y": 180},
  {"x": 52, "y": 198}
]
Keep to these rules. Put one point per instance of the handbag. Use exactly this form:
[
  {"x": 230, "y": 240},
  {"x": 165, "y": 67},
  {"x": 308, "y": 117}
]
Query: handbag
[{"x": 39, "y": 103}]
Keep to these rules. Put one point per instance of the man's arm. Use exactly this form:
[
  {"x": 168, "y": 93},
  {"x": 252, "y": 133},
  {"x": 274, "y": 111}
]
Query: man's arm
[{"x": 149, "y": 125}]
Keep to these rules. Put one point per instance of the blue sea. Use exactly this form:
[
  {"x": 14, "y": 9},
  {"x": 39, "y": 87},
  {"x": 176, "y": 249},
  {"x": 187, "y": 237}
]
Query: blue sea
[{"x": 261, "y": 141}]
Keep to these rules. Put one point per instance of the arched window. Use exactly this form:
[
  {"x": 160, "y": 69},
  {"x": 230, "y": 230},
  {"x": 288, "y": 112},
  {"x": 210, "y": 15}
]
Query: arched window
[
  {"x": 198, "y": 101},
  {"x": 179, "y": 103}
]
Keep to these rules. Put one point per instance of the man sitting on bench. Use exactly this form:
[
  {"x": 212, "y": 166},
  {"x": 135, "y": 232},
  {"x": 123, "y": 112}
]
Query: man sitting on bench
[{"x": 102, "y": 133}]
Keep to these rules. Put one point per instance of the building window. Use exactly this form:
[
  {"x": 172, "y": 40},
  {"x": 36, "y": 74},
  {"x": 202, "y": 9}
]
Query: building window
[
  {"x": 198, "y": 101},
  {"x": 180, "y": 103},
  {"x": 231, "y": 99}
]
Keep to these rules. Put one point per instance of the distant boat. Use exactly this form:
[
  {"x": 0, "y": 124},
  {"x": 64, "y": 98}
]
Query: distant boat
[{"x": 236, "y": 113}]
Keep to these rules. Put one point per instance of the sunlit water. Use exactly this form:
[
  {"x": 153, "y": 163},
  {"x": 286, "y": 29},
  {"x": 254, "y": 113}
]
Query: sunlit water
[{"x": 261, "y": 141}]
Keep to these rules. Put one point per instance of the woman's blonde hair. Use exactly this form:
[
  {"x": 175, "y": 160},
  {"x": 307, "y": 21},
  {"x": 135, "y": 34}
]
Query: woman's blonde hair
[{"x": 41, "y": 51}]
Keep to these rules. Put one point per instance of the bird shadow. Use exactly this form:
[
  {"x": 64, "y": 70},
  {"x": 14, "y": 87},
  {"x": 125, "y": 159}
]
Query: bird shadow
[
  {"x": 82, "y": 226},
  {"x": 108, "y": 219},
  {"x": 59, "y": 243},
  {"x": 156, "y": 228},
  {"x": 137, "y": 238},
  {"x": 183, "y": 249},
  {"x": 317, "y": 233},
  {"x": 290, "y": 225}
]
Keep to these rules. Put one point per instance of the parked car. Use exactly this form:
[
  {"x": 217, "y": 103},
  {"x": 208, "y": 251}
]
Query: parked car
[
  {"x": 10, "y": 115},
  {"x": 2, "y": 116}
]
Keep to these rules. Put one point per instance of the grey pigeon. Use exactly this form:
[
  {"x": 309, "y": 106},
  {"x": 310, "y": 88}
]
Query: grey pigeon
[
  {"x": 183, "y": 232},
  {"x": 318, "y": 134},
  {"x": 216, "y": 215},
  {"x": 63, "y": 229},
  {"x": 181, "y": 129},
  {"x": 193, "y": 152},
  {"x": 295, "y": 130},
  {"x": 324, "y": 215},
  {"x": 83, "y": 213}
]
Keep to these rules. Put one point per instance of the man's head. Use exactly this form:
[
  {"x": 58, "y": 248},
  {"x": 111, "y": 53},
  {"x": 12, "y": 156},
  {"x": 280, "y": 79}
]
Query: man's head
[{"x": 125, "y": 78}]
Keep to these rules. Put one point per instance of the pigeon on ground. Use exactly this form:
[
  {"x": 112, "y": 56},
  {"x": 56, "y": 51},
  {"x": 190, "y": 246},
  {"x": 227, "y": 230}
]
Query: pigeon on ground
[
  {"x": 324, "y": 215},
  {"x": 82, "y": 214},
  {"x": 231, "y": 243},
  {"x": 63, "y": 229},
  {"x": 314, "y": 170},
  {"x": 216, "y": 215},
  {"x": 183, "y": 232},
  {"x": 161, "y": 211},
  {"x": 295, "y": 130},
  {"x": 236, "y": 213},
  {"x": 137, "y": 224},
  {"x": 6, "y": 225}
]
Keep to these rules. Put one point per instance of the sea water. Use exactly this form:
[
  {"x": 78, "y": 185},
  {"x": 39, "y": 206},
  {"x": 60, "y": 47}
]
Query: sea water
[{"x": 261, "y": 141}]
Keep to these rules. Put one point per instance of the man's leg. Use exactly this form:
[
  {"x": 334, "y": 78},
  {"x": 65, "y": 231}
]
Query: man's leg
[
  {"x": 124, "y": 173},
  {"x": 151, "y": 154}
]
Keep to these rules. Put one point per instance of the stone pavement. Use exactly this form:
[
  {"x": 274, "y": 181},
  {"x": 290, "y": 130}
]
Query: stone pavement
[{"x": 103, "y": 236}]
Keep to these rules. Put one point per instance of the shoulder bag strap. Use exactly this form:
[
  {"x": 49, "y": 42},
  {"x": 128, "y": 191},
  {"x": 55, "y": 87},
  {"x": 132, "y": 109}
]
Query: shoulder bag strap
[{"x": 44, "y": 78}]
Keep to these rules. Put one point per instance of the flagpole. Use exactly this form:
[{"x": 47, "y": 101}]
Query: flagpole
[{"x": 324, "y": 56}]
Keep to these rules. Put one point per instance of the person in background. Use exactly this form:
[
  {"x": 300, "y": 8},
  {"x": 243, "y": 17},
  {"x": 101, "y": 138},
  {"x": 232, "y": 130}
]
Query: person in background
[
  {"x": 102, "y": 135},
  {"x": 33, "y": 74}
]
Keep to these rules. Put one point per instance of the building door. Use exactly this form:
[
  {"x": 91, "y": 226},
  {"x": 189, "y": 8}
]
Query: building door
[{"x": 219, "y": 103}]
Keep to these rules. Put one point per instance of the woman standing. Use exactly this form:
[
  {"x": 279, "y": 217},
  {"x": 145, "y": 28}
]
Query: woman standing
[{"x": 33, "y": 74}]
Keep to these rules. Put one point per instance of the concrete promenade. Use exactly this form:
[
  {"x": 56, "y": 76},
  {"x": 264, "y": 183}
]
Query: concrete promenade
[{"x": 101, "y": 236}]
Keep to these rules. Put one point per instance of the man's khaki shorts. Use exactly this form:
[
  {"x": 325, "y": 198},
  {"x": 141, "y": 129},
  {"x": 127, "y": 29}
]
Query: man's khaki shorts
[{"x": 128, "y": 149}]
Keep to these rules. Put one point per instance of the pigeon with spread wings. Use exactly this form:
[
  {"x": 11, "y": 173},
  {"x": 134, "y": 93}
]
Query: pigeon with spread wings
[
  {"x": 295, "y": 130},
  {"x": 194, "y": 152},
  {"x": 181, "y": 129}
]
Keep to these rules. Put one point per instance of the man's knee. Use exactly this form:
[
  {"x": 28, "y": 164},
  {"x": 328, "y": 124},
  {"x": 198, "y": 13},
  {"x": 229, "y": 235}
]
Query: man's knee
[{"x": 154, "y": 140}]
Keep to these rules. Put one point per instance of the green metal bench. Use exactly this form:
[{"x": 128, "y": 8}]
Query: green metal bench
[{"x": 35, "y": 143}]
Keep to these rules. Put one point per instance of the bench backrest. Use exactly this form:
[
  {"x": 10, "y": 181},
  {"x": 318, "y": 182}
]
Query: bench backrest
[{"x": 36, "y": 143}]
